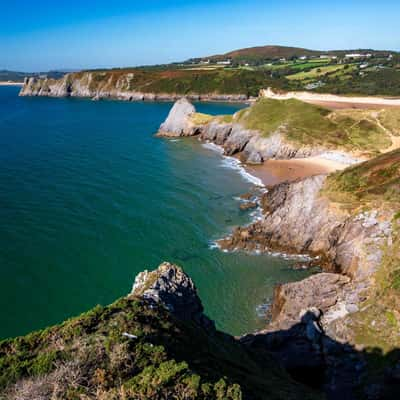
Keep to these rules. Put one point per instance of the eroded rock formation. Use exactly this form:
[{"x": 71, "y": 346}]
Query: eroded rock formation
[{"x": 169, "y": 286}]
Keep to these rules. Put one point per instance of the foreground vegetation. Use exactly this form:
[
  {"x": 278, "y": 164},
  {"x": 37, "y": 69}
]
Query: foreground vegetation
[{"x": 129, "y": 350}]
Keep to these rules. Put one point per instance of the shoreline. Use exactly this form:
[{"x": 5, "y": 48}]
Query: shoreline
[
  {"x": 11, "y": 83},
  {"x": 273, "y": 172}
]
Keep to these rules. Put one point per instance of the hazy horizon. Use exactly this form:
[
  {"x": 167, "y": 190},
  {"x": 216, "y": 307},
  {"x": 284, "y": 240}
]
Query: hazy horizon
[{"x": 130, "y": 33}]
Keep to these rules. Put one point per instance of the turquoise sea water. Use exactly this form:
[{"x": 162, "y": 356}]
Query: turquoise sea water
[{"x": 89, "y": 198}]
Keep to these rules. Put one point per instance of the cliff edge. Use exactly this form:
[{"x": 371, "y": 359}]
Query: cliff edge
[{"x": 156, "y": 343}]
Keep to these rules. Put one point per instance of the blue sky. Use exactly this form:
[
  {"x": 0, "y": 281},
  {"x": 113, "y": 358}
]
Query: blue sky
[{"x": 43, "y": 35}]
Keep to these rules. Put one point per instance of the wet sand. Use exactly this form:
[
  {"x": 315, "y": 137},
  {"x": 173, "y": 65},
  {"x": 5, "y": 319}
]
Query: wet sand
[{"x": 277, "y": 171}]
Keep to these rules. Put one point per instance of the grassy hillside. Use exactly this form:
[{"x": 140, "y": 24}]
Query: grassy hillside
[
  {"x": 90, "y": 357},
  {"x": 376, "y": 182},
  {"x": 307, "y": 124},
  {"x": 265, "y": 53}
]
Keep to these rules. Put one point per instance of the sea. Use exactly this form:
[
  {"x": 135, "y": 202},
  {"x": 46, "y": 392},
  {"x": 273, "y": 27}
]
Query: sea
[{"x": 89, "y": 197}]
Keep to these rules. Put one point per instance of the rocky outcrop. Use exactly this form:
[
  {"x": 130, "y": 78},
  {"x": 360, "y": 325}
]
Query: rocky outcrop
[
  {"x": 321, "y": 291},
  {"x": 178, "y": 122},
  {"x": 170, "y": 287},
  {"x": 298, "y": 219},
  {"x": 108, "y": 85}
]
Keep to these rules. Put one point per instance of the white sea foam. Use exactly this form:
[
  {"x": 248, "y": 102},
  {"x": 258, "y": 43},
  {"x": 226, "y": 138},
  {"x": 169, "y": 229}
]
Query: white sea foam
[
  {"x": 263, "y": 309},
  {"x": 233, "y": 163},
  {"x": 258, "y": 251},
  {"x": 213, "y": 146},
  {"x": 213, "y": 245},
  {"x": 175, "y": 140}
]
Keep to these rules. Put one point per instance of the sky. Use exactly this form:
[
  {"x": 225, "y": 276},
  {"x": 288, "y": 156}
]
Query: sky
[{"x": 78, "y": 34}]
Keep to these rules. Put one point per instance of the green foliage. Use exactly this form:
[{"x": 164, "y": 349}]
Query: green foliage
[
  {"x": 201, "y": 119},
  {"x": 168, "y": 359}
]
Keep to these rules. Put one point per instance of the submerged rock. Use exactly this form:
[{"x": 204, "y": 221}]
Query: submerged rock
[{"x": 248, "y": 205}]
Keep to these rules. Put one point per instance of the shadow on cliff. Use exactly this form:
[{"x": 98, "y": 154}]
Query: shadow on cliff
[{"x": 338, "y": 369}]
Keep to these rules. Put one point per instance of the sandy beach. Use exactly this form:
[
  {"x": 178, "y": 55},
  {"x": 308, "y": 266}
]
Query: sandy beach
[
  {"x": 276, "y": 171},
  {"x": 334, "y": 101},
  {"x": 337, "y": 105}
]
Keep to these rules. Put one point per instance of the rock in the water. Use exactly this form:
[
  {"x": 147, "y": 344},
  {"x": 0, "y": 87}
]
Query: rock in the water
[
  {"x": 248, "y": 205},
  {"x": 178, "y": 122},
  {"x": 170, "y": 287}
]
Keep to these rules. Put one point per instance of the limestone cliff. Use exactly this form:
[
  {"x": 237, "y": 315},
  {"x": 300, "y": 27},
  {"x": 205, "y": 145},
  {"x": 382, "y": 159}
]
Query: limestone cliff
[
  {"x": 121, "y": 85},
  {"x": 298, "y": 219}
]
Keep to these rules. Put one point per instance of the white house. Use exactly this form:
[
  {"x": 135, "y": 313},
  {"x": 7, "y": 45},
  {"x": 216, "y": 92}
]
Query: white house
[{"x": 358, "y": 55}]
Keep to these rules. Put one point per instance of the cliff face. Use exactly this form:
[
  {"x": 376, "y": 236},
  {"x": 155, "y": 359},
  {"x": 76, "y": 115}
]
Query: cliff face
[
  {"x": 298, "y": 219},
  {"x": 154, "y": 344},
  {"x": 129, "y": 86}
]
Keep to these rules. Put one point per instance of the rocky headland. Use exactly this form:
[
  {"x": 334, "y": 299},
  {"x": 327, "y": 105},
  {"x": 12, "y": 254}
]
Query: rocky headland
[{"x": 125, "y": 86}]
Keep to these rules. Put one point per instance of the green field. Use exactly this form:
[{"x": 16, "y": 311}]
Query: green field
[{"x": 316, "y": 72}]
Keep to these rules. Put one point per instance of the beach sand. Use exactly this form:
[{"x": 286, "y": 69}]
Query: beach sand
[
  {"x": 336, "y": 105},
  {"x": 277, "y": 171}
]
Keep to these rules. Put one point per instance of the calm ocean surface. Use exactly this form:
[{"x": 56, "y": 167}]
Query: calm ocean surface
[{"x": 89, "y": 198}]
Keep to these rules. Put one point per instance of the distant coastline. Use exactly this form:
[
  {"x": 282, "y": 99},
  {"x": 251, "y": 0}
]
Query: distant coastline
[{"x": 7, "y": 83}]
